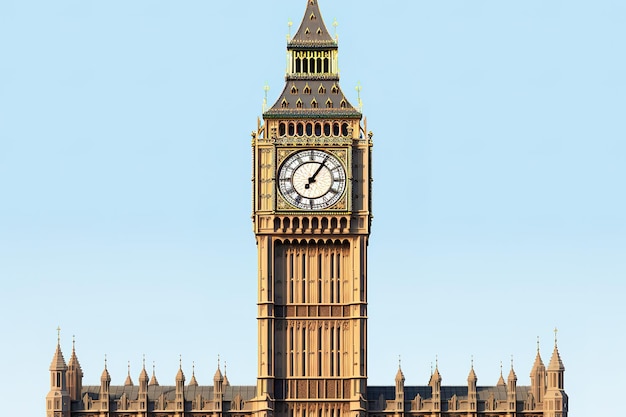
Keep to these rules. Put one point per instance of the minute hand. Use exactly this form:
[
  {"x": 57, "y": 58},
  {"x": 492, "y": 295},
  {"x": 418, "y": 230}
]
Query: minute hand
[{"x": 312, "y": 177}]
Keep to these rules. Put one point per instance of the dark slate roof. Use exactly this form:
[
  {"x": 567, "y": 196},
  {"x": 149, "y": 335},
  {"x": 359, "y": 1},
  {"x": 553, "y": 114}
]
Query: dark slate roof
[
  {"x": 447, "y": 392},
  {"x": 307, "y": 110},
  {"x": 312, "y": 31},
  {"x": 154, "y": 392}
]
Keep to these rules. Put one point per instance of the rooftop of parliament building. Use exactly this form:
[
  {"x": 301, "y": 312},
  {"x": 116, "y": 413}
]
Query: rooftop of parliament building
[{"x": 311, "y": 218}]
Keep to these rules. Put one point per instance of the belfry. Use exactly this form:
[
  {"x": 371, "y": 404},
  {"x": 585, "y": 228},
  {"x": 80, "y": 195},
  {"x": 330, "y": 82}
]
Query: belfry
[{"x": 312, "y": 216}]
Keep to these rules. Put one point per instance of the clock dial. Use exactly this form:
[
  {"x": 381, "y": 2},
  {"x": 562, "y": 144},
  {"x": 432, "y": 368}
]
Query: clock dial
[{"x": 312, "y": 179}]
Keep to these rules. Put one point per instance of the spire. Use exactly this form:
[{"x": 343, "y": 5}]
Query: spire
[
  {"x": 105, "y": 377},
  {"x": 58, "y": 361},
  {"x": 129, "y": 380},
  {"x": 512, "y": 376},
  {"x": 192, "y": 381},
  {"x": 399, "y": 374},
  {"x": 74, "y": 364},
  {"x": 180, "y": 376},
  {"x": 153, "y": 380},
  {"x": 218, "y": 374},
  {"x": 226, "y": 381},
  {"x": 312, "y": 30},
  {"x": 556, "y": 364},
  {"x": 435, "y": 377},
  {"x": 312, "y": 86},
  {"x": 143, "y": 376},
  {"x": 501, "y": 380},
  {"x": 472, "y": 375}
]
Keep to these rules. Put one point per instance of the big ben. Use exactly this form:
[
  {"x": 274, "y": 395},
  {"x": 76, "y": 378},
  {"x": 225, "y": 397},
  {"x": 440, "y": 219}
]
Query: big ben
[{"x": 312, "y": 216}]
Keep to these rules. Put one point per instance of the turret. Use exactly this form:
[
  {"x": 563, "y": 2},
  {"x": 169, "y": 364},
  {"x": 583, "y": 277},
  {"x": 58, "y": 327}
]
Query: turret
[
  {"x": 472, "y": 395},
  {"x": 555, "y": 400},
  {"x": 538, "y": 378},
  {"x": 399, "y": 391},
  {"x": 511, "y": 392},
  {"x": 58, "y": 398},
  {"x": 143, "y": 388},
  {"x": 180, "y": 388},
  {"x": 105, "y": 385},
  {"x": 435, "y": 385},
  {"x": 74, "y": 376},
  {"x": 218, "y": 388}
]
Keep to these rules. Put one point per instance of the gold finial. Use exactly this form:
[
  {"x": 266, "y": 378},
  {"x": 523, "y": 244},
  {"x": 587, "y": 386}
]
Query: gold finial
[
  {"x": 358, "y": 89},
  {"x": 335, "y": 24},
  {"x": 556, "y": 333},
  {"x": 289, "y": 24},
  {"x": 266, "y": 88}
]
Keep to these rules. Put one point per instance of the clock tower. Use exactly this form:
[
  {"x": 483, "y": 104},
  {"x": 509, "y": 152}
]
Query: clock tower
[{"x": 312, "y": 216}]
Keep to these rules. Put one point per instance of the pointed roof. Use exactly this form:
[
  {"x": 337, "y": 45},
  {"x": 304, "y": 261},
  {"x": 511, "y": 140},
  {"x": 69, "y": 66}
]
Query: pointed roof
[
  {"x": 501, "y": 379},
  {"x": 312, "y": 31},
  {"x": 58, "y": 361},
  {"x": 556, "y": 364},
  {"x": 226, "y": 381},
  {"x": 512, "y": 376},
  {"x": 192, "y": 381},
  {"x": 538, "y": 366},
  {"x": 129, "y": 380},
  {"x": 472, "y": 375},
  {"x": 153, "y": 380},
  {"x": 218, "y": 374},
  {"x": 143, "y": 376},
  {"x": 180, "y": 376},
  {"x": 399, "y": 374},
  {"x": 105, "y": 377},
  {"x": 73, "y": 364}
]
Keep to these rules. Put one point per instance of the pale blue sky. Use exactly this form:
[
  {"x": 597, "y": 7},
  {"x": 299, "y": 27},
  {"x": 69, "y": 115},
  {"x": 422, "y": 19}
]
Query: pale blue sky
[{"x": 499, "y": 166}]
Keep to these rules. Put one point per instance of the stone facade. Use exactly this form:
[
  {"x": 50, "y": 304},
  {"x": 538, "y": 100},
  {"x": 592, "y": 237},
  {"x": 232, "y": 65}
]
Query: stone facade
[{"x": 312, "y": 216}]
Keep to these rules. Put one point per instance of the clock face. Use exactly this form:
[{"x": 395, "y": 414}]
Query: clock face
[{"x": 312, "y": 179}]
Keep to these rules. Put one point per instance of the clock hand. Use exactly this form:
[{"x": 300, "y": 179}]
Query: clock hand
[{"x": 312, "y": 178}]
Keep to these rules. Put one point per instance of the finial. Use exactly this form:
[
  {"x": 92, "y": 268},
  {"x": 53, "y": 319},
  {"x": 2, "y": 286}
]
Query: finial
[
  {"x": 73, "y": 343},
  {"x": 218, "y": 361},
  {"x": 537, "y": 344},
  {"x": 153, "y": 367},
  {"x": 556, "y": 333},
  {"x": 399, "y": 361},
  {"x": 266, "y": 88},
  {"x": 105, "y": 361},
  {"x": 358, "y": 89},
  {"x": 472, "y": 360},
  {"x": 128, "y": 368},
  {"x": 143, "y": 361},
  {"x": 59, "y": 335},
  {"x": 180, "y": 361},
  {"x": 289, "y": 24},
  {"x": 335, "y": 24},
  {"x": 193, "y": 368},
  {"x": 224, "y": 368},
  {"x": 436, "y": 361},
  {"x": 511, "y": 361},
  {"x": 500, "y": 368}
]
